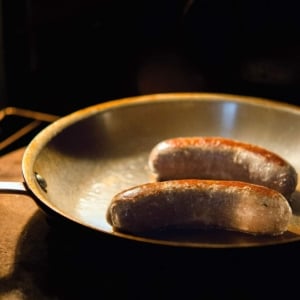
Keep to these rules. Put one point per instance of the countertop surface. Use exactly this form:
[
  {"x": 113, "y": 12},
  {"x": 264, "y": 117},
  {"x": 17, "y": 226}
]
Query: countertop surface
[
  {"x": 23, "y": 231},
  {"x": 44, "y": 259}
]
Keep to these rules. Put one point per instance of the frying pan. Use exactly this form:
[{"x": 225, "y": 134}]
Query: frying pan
[{"x": 74, "y": 166}]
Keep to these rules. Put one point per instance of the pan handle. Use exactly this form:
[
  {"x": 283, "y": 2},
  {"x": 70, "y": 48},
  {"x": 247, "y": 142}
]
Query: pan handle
[{"x": 11, "y": 187}]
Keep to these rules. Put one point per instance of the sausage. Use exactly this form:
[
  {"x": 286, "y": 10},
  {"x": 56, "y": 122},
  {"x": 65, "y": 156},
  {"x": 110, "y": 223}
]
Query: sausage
[
  {"x": 221, "y": 159},
  {"x": 200, "y": 204}
]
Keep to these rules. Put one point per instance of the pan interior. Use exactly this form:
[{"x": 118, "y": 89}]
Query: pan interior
[{"x": 100, "y": 152}]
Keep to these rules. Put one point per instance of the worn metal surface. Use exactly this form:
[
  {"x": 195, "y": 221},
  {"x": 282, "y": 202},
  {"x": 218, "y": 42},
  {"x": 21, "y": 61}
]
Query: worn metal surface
[{"x": 76, "y": 165}]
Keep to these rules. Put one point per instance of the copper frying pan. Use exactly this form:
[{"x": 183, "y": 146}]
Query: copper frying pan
[{"x": 73, "y": 167}]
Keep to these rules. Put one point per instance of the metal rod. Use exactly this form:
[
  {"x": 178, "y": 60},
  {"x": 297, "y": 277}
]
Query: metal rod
[
  {"x": 18, "y": 134},
  {"x": 10, "y": 187}
]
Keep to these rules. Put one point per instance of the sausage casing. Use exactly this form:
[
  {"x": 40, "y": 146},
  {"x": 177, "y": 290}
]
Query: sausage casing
[
  {"x": 221, "y": 159},
  {"x": 195, "y": 203}
]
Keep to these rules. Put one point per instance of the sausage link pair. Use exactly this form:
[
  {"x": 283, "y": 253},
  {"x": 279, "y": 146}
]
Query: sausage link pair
[
  {"x": 221, "y": 159},
  {"x": 193, "y": 203}
]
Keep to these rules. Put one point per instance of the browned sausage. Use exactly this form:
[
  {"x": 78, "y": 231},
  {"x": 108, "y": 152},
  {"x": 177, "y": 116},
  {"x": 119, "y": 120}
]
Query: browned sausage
[
  {"x": 221, "y": 158},
  {"x": 194, "y": 203}
]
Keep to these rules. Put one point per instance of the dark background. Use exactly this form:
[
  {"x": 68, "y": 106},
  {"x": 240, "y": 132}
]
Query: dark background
[{"x": 61, "y": 55}]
